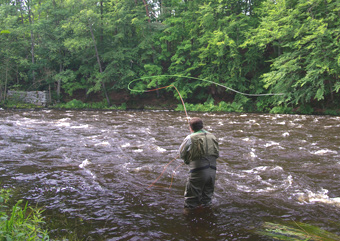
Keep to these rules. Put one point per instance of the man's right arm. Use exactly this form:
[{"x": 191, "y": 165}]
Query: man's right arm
[{"x": 184, "y": 149}]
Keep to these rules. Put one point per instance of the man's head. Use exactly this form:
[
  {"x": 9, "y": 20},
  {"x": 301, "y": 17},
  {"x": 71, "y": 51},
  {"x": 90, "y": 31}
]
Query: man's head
[{"x": 196, "y": 124}]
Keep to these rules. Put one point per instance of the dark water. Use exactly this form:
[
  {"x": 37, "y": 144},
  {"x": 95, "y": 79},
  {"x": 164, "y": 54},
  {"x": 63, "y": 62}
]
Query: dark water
[{"x": 90, "y": 170}]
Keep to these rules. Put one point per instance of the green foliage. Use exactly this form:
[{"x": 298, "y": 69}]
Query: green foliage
[
  {"x": 281, "y": 110},
  {"x": 16, "y": 104},
  {"x": 264, "y": 104},
  {"x": 304, "y": 49},
  {"x": 332, "y": 112},
  {"x": 306, "y": 109},
  {"x": 78, "y": 104},
  {"x": 74, "y": 104},
  {"x": 67, "y": 78},
  {"x": 209, "y": 106},
  {"x": 257, "y": 47},
  {"x": 296, "y": 231},
  {"x": 20, "y": 223}
]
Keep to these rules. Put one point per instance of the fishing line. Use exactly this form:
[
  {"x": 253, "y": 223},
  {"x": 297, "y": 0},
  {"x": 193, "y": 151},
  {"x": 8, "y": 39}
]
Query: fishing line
[
  {"x": 153, "y": 183},
  {"x": 188, "y": 118},
  {"x": 164, "y": 87},
  {"x": 195, "y": 78}
]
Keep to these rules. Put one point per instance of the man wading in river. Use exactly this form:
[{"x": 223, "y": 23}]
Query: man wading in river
[{"x": 199, "y": 150}]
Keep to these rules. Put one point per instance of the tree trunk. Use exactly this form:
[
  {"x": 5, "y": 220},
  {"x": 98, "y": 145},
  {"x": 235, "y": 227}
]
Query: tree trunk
[
  {"x": 31, "y": 21},
  {"x": 100, "y": 66},
  {"x": 6, "y": 81},
  {"x": 59, "y": 83},
  {"x": 147, "y": 11}
]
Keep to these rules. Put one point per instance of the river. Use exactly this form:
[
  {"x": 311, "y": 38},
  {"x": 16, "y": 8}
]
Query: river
[{"x": 91, "y": 171}]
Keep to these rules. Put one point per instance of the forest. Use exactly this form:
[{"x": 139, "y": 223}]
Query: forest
[{"x": 90, "y": 50}]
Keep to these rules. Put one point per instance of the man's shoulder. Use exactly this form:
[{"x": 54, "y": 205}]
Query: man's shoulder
[{"x": 202, "y": 132}]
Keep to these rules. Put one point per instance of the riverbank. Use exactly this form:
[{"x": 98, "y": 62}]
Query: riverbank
[
  {"x": 164, "y": 104},
  {"x": 167, "y": 101}
]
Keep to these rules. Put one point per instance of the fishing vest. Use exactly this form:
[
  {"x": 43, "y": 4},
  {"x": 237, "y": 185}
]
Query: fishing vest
[{"x": 204, "y": 149}]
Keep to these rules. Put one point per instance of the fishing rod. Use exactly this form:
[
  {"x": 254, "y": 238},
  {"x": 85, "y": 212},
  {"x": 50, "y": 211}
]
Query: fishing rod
[
  {"x": 186, "y": 113},
  {"x": 171, "y": 85}
]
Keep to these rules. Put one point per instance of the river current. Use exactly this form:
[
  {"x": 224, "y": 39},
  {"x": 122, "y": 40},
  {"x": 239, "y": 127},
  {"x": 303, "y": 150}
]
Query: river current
[{"x": 91, "y": 171}]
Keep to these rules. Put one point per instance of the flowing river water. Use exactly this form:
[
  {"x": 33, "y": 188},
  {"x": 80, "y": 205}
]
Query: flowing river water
[{"x": 91, "y": 171}]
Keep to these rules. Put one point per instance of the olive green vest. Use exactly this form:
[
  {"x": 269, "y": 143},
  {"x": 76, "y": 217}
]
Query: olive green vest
[{"x": 203, "y": 144}]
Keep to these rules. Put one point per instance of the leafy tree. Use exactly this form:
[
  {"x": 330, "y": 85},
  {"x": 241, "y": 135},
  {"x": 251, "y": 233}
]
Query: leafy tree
[
  {"x": 303, "y": 38},
  {"x": 204, "y": 39},
  {"x": 12, "y": 47},
  {"x": 85, "y": 26}
]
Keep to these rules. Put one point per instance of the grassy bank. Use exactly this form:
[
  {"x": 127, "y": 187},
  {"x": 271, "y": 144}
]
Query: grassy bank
[
  {"x": 19, "y": 221},
  {"x": 208, "y": 106}
]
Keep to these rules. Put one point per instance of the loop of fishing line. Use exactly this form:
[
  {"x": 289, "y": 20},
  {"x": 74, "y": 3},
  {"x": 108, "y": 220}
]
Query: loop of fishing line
[
  {"x": 187, "y": 117},
  {"x": 195, "y": 78}
]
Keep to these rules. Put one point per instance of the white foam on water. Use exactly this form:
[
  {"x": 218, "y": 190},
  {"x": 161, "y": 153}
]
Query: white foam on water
[
  {"x": 85, "y": 163},
  {"x": 334, "y": 126},
  {"x": 323, "y": 152},
  {"x": 271, "y": 143},
  {"x": 138, "y": 150},
  {"x": 244, "y": 188},
  {"x": 277, "y": 168},
  {"x": 160, "y": 149},
  {"x": 141, "y": 168},
  {"x": 252, "y": 154},
  {"x": 90, "y": 173},
  {"x": 232, "y": 122},
  {"x": 285, "y": 134},
  {"x": 318, "y": 197},
  {"x": 256, "y": 170},
  {"x": 145, "y": 130},
  {"x": 104, "y": 143},
  {"x": 261, "y": 169},
  {"x": 63, "y": 124},
  {"x": 64, "y": 120},
  {"x": 289, "y": 181},
  {"x": 126, "y": 145},
  {"x": 80, "y": 127}
]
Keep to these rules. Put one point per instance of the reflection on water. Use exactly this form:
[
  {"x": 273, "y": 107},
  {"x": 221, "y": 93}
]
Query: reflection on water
[{"x": 96, "y": 166}]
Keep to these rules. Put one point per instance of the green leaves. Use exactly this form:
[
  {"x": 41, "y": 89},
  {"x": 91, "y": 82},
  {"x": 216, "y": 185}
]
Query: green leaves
[
  {"x": 23, "y": 223},
  {"x": 5, "y": 32},
  {"x": 263, "y": 46},
  {"x": 303, "y": 40},
  {"x": 296, "y": 231}
]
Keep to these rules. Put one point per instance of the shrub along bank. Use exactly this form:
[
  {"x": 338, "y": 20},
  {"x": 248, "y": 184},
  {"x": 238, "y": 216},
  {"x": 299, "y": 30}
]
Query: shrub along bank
[{"x": 20, "y": 222}]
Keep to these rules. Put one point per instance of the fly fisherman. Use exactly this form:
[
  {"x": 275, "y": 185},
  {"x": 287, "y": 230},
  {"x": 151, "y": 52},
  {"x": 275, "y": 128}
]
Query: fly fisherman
[{"x": 199, "y": 150}]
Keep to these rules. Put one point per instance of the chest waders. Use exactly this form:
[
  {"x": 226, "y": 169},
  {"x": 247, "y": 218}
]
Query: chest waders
[{"x": 200, "y": 184}]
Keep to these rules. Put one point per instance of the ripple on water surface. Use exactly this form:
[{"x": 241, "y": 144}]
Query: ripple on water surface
[{"x": 97, "y": 167}]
